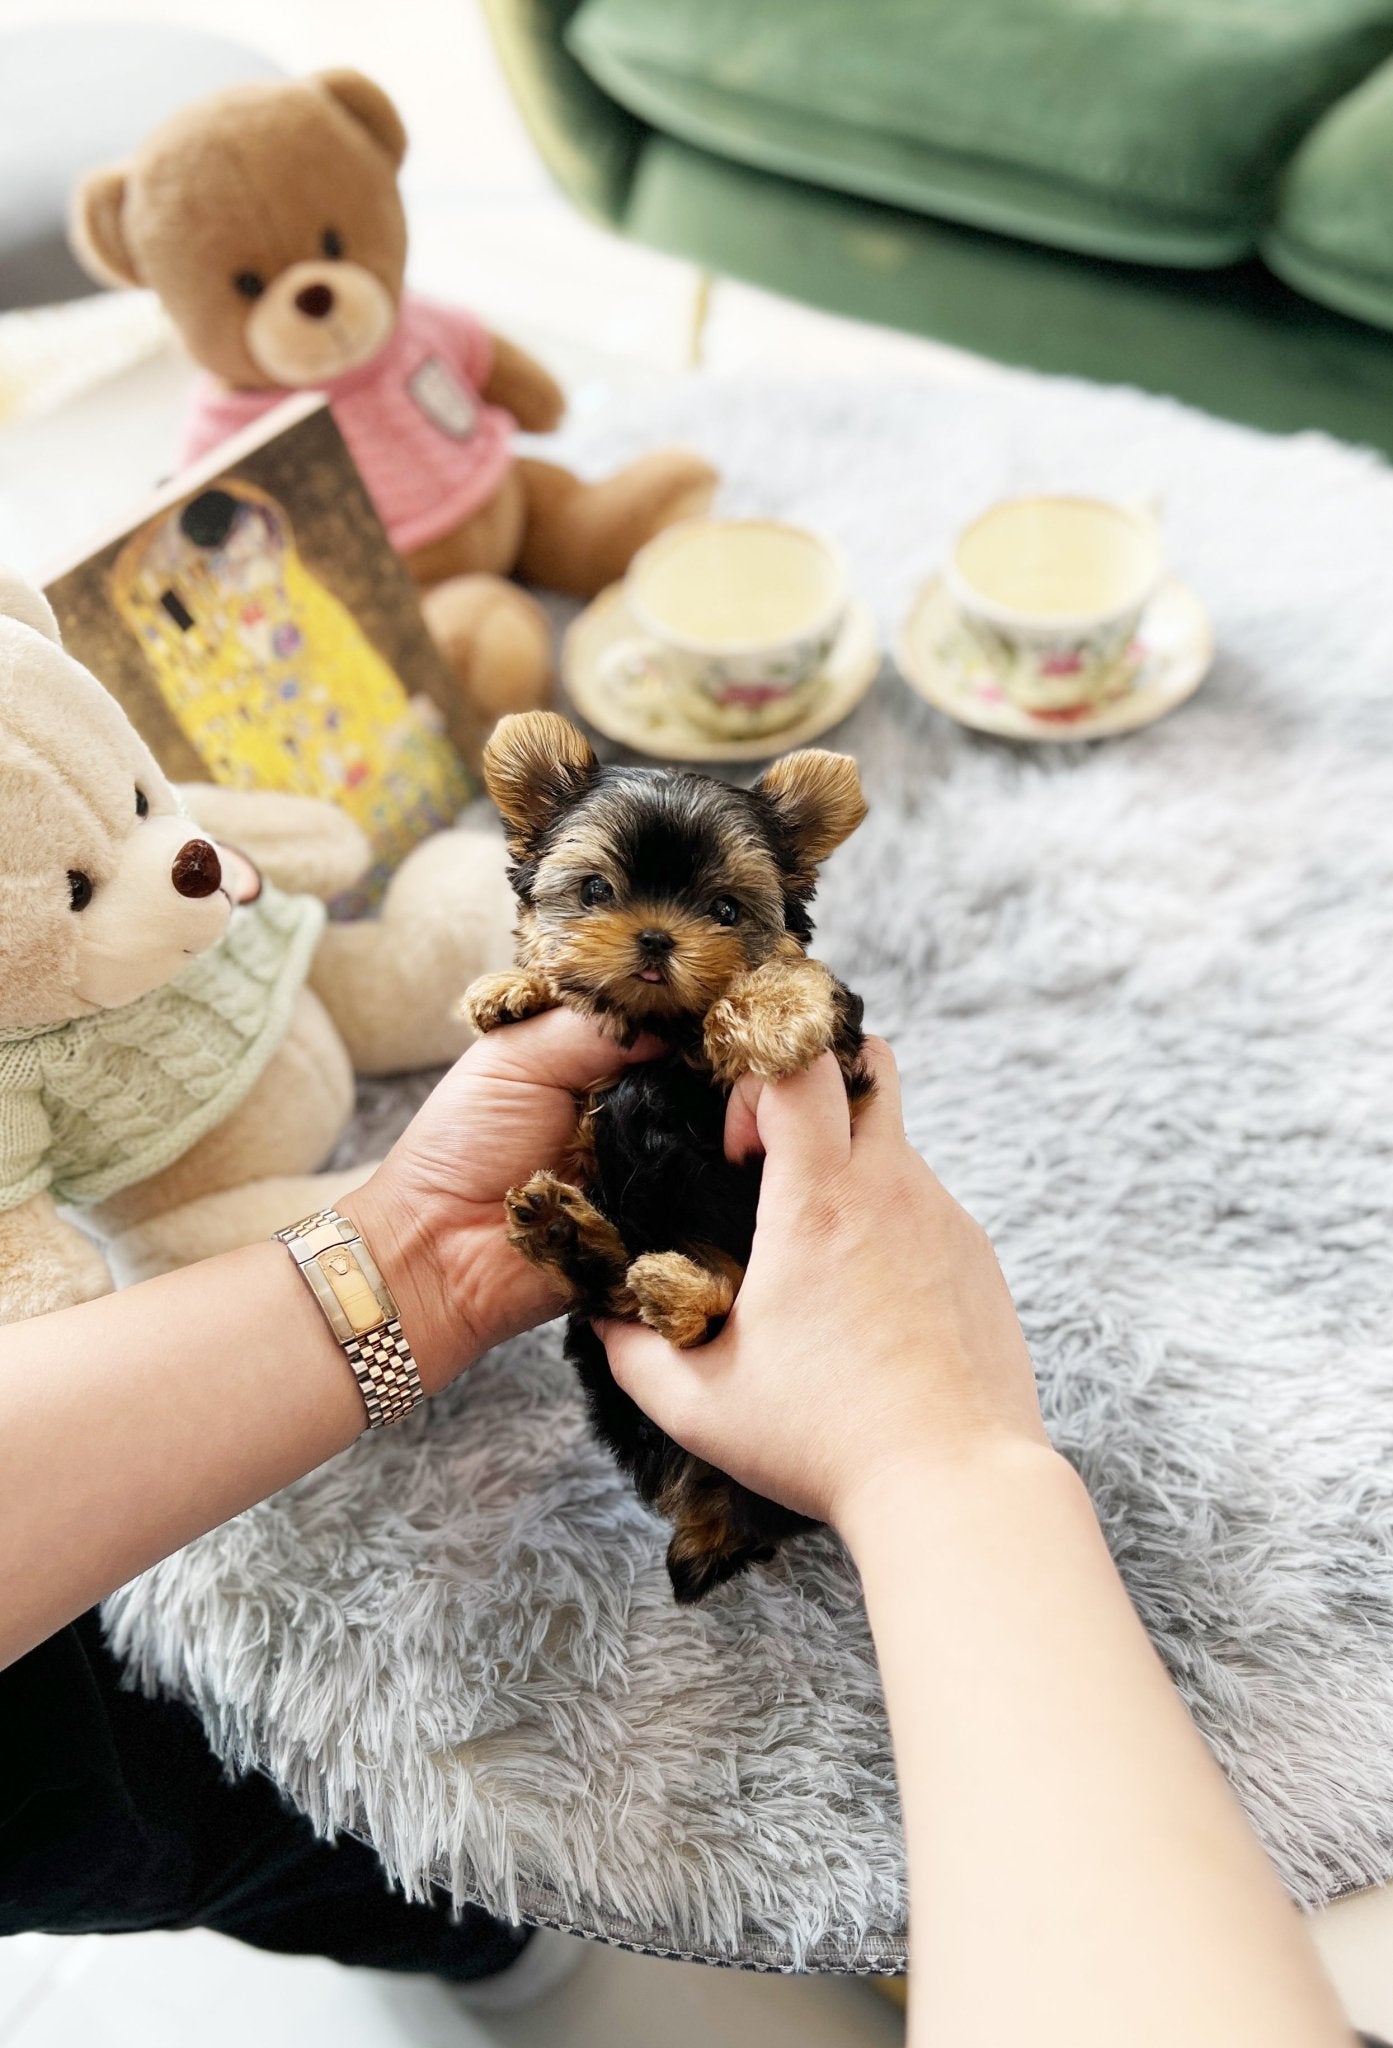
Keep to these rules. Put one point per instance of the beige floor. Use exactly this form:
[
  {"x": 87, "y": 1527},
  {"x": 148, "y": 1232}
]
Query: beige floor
[{"x": 487, "y": 229}]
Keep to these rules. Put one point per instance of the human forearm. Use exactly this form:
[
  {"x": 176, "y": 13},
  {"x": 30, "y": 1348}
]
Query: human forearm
[
  {"x": 130, "y": 1425},
  {"x": 1080, "y": 1872}
]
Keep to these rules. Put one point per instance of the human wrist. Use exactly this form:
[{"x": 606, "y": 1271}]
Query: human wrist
[
  {"x": 930, "y": 1482},
  {"x": 404, "y": 1242}
]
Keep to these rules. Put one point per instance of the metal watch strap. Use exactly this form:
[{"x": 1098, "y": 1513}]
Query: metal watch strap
[{"x": 358, "y": 1306}]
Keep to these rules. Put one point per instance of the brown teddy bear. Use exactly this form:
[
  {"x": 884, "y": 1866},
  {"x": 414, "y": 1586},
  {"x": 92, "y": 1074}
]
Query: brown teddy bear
[{"x": 268, "y": 220}]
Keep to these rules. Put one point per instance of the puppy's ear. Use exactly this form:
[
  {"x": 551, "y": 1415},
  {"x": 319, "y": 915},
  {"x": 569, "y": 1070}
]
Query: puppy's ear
[
  {"x": 535, "y": 766},
  {"x": 370, "y": 107},
  {"x": 95, "y": 227},
  {"x": 816, "y": 797}
]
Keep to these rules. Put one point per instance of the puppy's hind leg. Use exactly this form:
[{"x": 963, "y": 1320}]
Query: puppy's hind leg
[
  {"x": 682, "y": 1298},
  {"x": 561, "y": 1232}
]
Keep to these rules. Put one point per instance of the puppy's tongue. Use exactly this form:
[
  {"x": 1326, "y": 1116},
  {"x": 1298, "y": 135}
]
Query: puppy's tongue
[{"x": 650, "y": 974}]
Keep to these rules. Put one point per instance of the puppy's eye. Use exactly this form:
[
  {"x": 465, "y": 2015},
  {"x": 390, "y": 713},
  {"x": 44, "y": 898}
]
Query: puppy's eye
[
  {"x": 331, "y": 243},
  {"x": 142, "y": 804},
  {"x": 726, "y": 910},
  {"x": 250, "y": 283},
  {"x": 595, "y": 890},
  {"x": 79, "y": 889}
]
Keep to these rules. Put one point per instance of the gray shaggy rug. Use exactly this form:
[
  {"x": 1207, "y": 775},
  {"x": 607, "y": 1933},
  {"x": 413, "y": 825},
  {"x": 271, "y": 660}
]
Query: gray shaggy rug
[{"x": 1142, "y": 997}]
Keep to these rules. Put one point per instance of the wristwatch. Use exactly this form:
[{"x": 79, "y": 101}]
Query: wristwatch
[{"x": 358, "y": 1305}]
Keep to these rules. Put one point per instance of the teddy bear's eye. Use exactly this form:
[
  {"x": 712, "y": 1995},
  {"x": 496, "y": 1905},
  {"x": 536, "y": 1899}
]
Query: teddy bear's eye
[
  {"x": 725, "y": 910},
  {"x": 250, "y": 284},
  {"x": 595, "y": 890},
  {"x": 332, "y": 244},
  {"x": 142, "y": 804},
  {"x": 79, "y": 889}
]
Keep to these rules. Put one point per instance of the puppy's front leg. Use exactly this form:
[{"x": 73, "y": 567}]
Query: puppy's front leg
[
  {"x": 506, "y": 998},
  {"x": 773, "y": 1021}
]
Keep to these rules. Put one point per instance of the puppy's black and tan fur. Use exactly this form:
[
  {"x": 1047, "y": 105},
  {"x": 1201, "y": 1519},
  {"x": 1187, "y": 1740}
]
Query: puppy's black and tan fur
[{"x": 662, "y": 901}]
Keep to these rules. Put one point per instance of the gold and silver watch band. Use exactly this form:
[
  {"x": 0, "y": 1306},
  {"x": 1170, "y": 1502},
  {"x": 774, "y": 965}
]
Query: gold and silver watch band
[{"x": 358, "y": 1306}]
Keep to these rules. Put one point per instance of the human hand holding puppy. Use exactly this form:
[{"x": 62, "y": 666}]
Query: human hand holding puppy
[
  {"x": 434, "y": 1210},
  {"x": 873, "y": 1333}
]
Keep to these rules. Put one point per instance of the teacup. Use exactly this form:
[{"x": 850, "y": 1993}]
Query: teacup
[
  {"x": 739, "y": 616},
  {"x": 1052, "y": 590}
]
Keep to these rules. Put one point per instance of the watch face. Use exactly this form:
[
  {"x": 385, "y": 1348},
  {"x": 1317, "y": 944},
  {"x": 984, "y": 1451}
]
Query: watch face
[{"x": 351, "y": 1289}]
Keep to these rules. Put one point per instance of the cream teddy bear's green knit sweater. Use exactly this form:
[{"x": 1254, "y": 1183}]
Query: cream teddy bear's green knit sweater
[{"x": 93, "y": 1106}]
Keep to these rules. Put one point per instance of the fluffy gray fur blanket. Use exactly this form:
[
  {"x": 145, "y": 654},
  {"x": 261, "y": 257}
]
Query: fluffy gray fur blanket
[{"x": 1142, "y": 997}]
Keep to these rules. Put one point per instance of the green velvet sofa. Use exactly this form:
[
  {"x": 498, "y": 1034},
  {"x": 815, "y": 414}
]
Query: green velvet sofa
[{"x": 1195, "y": 196}]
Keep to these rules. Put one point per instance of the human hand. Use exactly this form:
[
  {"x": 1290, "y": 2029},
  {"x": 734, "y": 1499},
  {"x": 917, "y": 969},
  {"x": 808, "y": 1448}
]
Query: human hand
[
  {"x": 432, "y": 1214},
  {"x": 873, "y": 1330}
]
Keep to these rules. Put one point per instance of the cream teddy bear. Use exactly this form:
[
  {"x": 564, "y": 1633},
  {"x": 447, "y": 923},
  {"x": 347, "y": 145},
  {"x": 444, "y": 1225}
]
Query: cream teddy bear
[{"x": 179, "y": 1030}]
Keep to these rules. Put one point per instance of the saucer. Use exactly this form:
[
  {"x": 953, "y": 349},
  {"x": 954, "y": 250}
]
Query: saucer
[
  {"x": 650, "y": 718},
  {"x": 1171, "y": 657}
]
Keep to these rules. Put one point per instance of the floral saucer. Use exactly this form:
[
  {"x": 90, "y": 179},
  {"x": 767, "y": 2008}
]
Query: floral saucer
[
  {"x": 639, "y": 706},
  {"x": 1167, "y": 662}
]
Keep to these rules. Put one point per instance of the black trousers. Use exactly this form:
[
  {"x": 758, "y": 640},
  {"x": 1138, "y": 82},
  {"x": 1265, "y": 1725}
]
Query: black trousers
[{"x": 115, "y": 1817}]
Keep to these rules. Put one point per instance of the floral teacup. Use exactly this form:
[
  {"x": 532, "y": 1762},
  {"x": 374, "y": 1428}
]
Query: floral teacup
[
  {"x": 737, "y": 617},
  {"x": 1052, "y": 589}
]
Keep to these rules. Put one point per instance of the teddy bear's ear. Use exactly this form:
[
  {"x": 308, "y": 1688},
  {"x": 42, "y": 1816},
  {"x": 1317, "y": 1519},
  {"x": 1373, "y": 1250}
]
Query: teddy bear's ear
[
  {"x": 95, "y": 229},
  {"x": 20, "y": 600},
  {"x": 369, "y": 105}
]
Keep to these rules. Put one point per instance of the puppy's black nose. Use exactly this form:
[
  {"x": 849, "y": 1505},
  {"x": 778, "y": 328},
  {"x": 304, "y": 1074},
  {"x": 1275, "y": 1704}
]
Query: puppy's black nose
[
  {"x": 656, "y": 945},
  {"x": 316, "y": 301},
  {"x": 197, "y": 870}
]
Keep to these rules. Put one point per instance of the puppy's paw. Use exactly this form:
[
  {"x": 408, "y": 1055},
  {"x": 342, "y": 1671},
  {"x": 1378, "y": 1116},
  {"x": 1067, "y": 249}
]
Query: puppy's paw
[
  {"x": 546, "y": 1216},
  {"x": 505, "y": 998},
  {"x": 558, "y": 1229},
  {"x": 775, "y": 1021},
  {"x": 678, "y": 1298}
]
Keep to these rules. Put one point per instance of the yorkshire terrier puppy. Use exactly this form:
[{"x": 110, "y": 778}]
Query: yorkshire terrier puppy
[{"x": 664, "y": 901}]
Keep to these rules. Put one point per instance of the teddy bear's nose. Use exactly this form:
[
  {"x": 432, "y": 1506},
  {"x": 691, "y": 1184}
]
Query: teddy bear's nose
[
  {"x": 316, "y": 301},
  {"x": 197, "y": 869}
]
